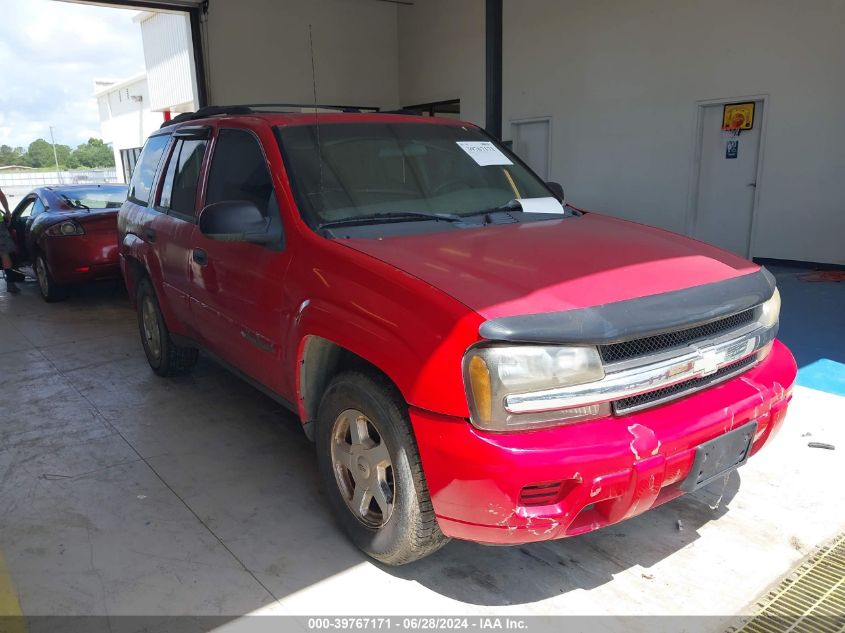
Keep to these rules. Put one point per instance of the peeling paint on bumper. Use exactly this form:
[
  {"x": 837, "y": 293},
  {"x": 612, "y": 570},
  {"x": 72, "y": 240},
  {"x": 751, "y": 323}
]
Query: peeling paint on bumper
[{"x": 610, "y": 469}]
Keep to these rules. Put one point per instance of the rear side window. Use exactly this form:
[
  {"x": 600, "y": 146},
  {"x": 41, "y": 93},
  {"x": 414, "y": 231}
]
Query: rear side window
[
  {"x": 239, "y": 171},
  {"x": 38, "y": 208},
  {"x": 145, "y": 169},
  {"x": 179, "y": 191}
]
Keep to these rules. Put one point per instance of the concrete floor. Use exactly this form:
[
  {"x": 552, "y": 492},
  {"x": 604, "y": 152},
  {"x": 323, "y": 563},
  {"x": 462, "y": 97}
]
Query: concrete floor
[{"x": 124, "y": 493}]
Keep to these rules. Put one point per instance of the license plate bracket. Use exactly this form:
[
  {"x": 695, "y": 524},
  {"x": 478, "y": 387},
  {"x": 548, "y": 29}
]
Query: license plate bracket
[{"x": 720, "y": 456}]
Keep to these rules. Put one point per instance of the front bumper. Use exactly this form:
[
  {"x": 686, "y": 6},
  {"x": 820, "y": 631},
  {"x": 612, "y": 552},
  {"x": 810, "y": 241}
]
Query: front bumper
[
  {"x": 608, "y": 469},
  {"x": 82, "y": 258}
]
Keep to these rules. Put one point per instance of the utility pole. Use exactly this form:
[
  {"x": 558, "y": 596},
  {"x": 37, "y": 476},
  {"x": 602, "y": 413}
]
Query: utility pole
[{"x": 55, "y": 156}]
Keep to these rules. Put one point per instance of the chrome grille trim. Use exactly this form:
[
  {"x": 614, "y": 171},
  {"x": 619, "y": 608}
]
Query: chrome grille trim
[
  {"x": 679, "y": 390},
  {"x": 697, "y": 361}
]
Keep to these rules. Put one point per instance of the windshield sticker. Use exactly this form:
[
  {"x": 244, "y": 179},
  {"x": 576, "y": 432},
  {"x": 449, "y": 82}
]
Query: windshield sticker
[
  {"x": 484, "y": 153},
  {"x": 541, "y": 205}
]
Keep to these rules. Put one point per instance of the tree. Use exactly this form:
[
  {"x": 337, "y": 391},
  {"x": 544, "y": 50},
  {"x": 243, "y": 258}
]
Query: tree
[
  {"x": 40, "y": 154},
  {"x": 63, "y": 154},
  {"x": 94, "y": 153},
  {"x": 11, "y": 156}
]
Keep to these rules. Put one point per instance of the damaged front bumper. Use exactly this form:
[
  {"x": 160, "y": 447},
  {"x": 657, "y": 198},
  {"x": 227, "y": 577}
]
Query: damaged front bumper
[{"x": 547, "y": 484}]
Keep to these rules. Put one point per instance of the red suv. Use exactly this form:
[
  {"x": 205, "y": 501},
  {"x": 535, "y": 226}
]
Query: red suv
[{"x": 474, "y": 358}]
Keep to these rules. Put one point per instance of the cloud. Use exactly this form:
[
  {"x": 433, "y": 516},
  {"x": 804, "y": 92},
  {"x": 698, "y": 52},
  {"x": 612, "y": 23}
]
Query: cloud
[{"x": 50, "y": 54}]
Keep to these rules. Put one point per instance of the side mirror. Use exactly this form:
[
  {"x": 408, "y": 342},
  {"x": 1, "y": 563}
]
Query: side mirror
[
  {"x": 557, "y": 189},
  {"x": 235, "y": 221}
]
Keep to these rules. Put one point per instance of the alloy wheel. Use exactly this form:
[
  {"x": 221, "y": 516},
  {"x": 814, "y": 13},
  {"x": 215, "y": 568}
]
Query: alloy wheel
[
  {"x": 363, "y": 468},
  {"x": 41, "y": 274},
  {"x": 150, "y": 326}
]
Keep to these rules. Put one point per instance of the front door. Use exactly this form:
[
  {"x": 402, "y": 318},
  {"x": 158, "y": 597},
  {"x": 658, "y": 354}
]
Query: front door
[
  {"x": 21, "y": 220},
  {"x": 727, "y": 181},
  {"x": 237, "y": 288}
]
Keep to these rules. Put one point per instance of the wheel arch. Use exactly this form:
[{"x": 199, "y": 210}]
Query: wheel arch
[
  {"x": 319, "y": 360},
  {"x": 133, "y": 272}
]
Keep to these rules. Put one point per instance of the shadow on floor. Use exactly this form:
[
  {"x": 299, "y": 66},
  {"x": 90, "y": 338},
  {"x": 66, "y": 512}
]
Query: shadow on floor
[{"x": 498, "y": 576}]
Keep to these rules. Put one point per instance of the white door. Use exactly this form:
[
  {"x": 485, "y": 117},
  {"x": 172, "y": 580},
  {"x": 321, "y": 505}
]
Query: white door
[
  {"x": 531, "y": 144},
  {"x": 727, "y": 182}
]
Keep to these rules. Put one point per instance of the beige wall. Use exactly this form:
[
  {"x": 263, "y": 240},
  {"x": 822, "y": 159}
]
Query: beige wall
[
  {"x": 621, "y": 80},
  {"x": 441, "y": 54},
  {"x": 258, "y": 51}
]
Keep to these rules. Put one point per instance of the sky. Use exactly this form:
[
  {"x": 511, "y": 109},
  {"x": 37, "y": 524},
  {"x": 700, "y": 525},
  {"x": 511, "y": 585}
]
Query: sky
[{"x": 50, "y": 54}]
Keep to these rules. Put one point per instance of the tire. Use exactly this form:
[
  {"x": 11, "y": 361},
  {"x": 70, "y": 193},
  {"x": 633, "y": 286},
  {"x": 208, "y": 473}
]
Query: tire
[
  {"x": 395, "y": 523},
  {"x": 51, "y": 292},
  {"x": 164, "y": 356}
]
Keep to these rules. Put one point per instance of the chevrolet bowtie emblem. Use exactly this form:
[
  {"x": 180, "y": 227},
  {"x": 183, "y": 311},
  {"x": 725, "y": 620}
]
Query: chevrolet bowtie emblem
[{"x": 709, "y": 361}]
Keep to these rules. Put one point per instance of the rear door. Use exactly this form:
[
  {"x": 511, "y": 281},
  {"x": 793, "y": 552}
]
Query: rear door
[
  {"x": 176, "y": 201},
  {"x": 141, "y": 221},
  {"x": 237, "y": 288}
]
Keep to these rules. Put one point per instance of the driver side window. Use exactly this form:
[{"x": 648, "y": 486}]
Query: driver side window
[
  {"x": 26, "y": 210},
  {"x": 239, "y": 172}
]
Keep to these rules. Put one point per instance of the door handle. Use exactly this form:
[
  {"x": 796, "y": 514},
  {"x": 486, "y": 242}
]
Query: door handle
[
  {"x": 151, "y": 235},
  {"x": 752, "y": 184},
  {"x": 200, "y": 257}
]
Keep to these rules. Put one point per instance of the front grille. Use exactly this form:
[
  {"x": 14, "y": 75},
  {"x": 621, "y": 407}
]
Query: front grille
[
  {"x": 653, "y": 344},
  {"x": 642, "y": 400}
]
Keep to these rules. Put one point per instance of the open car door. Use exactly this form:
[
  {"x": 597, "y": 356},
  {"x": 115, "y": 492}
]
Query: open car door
[{"x": 21, "y": 218}]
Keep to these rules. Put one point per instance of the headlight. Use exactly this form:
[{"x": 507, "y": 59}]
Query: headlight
[
  {"x": 770, "y": 311},
  {"x": 491, "y": 374},
  {"x": 65, "y": 229},
  {"x": 768, "y": 316}
]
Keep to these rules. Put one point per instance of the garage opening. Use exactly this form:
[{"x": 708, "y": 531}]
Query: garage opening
[{"x": 84, "y": 86}]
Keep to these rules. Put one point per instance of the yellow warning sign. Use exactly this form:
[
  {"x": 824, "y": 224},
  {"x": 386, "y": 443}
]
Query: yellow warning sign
[{"x": 738, "y": 116}]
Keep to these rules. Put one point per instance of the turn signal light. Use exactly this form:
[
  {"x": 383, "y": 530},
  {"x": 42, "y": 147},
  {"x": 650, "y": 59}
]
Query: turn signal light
[{"x": 482, "y": 393}]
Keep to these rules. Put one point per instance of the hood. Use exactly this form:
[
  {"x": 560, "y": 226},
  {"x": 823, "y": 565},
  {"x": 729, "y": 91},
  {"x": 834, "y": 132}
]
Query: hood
[{"x": 552, "y": 266}]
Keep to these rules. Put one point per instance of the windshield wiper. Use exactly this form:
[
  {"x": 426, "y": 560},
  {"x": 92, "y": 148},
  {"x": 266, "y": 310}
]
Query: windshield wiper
[
  {"x": 76, "y": 204},
  {"x": 399, "y": 216},
  {"x": 513, "y": 205}
]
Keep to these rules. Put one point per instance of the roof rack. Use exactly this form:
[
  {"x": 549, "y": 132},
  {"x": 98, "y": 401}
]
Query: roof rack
[
  {"x": 408, "y": 111},
  {"x": 254, "y": 108}
]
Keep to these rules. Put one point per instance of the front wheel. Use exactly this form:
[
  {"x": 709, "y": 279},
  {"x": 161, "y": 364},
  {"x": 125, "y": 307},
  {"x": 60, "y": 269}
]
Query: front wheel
[
  {"x": 164, "y": 356},
  {"x": 370, "y": 465},
  {"x": 50, "y": 290}
]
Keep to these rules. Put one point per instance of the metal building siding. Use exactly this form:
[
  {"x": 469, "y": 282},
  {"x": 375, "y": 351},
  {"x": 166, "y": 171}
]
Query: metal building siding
[{"x": 169, "y": 60}]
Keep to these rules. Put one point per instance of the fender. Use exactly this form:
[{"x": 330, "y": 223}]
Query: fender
[
  {"x": 412, "y": 332},
  {"x": 426, "y": 368}
]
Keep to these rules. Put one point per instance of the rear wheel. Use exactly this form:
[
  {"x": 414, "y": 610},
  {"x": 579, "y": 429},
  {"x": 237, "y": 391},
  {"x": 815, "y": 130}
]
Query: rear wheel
[
  {"x": 370, "y": 465},
  {"x": 164, "y": 356},
  {"x": 50, "y": 290}
]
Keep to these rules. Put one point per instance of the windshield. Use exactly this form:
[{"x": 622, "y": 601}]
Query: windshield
[
  {"x": 93, "y": 196},
  {"x": 369, "y": 169}
]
